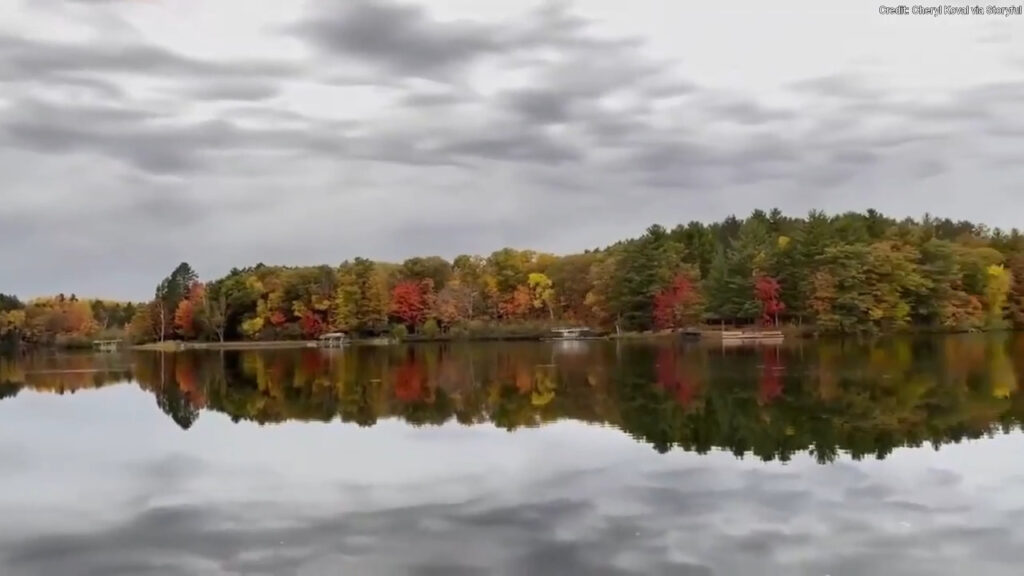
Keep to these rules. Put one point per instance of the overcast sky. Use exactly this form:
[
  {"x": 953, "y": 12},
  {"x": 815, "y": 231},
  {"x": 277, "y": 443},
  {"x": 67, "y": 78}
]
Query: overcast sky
[{"x": 135, "y": 134}]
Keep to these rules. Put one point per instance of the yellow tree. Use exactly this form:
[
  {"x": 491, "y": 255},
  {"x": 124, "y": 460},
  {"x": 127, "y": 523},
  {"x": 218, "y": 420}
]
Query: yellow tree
[
  {"x": 346, "y": 300},
  {"x": 541, "y": 292},
  {"x": 997, "y": 288},
  {"x": 252, "y": 327},
  {"x": 12, "y": 322},
  {"x": 141, "y": 328},
  {"x": 469, "y": 272},
  {"x": 822, "y": 300},
  {"x": 78, "y": 319},
  {"x": 491, "y": 294}
]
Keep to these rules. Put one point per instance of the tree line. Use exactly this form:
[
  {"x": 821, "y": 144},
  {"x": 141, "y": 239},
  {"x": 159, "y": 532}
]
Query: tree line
[
  {"x": 66, "y": 321},
  {"x": 842, "y": 273}
]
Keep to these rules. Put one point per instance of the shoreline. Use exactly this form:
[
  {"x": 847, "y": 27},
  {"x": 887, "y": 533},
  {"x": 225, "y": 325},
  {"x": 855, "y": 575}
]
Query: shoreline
[
  {"x": 179, "y": 346},
  {"x": 789, "y": 333}
]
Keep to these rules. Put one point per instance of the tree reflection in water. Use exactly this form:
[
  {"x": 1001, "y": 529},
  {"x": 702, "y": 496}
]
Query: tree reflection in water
[{"x": 826, "y": 397}]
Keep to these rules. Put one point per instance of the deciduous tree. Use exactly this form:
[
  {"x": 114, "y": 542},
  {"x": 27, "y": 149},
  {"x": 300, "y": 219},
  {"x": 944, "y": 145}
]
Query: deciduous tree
[
  {"x": 1015, "y": 299},
  {"x": 679, "y": 304},
  {"x": 215, "y": 306},
  {"x": 407, "y": 304},
  {"x": 542, "y": 293},
  {"x": 454, "y": 303},
  {"x": 997, "y": 289},
  {"x": 767, "y": 291},
  {"x": 517, "y": 305}
]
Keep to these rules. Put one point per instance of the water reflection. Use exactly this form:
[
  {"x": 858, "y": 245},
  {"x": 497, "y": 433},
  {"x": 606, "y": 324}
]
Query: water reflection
[{"x": 826, "y": 398}]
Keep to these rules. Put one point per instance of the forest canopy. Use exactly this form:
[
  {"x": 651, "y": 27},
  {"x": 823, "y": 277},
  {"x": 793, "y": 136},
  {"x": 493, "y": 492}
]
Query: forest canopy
[
  {"x": 843, "y": 273},
  {"x": 61, "y": 320}
]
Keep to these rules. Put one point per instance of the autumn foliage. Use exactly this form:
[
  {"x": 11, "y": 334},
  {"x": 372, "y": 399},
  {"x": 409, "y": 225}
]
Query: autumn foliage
[
  {"x": 311, "y": 324},
  {"x": 767, "y": 290},
  {"x": 407, "y": 303},
  {"x": 454, "y": 303},
  {"x": 844, "y": 273},
  {"x": 517, "y": 305},
  {"x": 60, "y": 320},
  {"x": 185, "y": 316},
  {"x": 183, "y": 319},
  {"x": 678, "y": 305}
]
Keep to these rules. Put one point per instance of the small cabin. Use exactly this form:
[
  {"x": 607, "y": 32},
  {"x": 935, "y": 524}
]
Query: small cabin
[{"x": 333, "y": 339}]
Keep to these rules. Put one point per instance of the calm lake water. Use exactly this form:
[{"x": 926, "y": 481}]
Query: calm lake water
[{"x": 897, "y": 457}]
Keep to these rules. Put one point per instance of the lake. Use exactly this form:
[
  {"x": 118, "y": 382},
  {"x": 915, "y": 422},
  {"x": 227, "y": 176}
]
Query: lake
[{"x": 899, "y": 456}]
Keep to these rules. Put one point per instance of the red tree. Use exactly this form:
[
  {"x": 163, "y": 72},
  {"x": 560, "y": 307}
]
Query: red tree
[
  {"x": 766, "y": 290},
  {"x": 429, "y": 297},
  {"x": 185, "y": 313},
  {"x": 311, "y": 324},
  {"x": 184, "y": 319},
  {"x": 678, "y": 304},
  {"x": 407, "y": 302},
  {"x": 517, "y": 305}
]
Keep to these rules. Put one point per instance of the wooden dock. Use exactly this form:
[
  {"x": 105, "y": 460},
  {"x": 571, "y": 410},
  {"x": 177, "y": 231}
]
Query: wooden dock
[
  {"x": 107, "y": 345},
  {"x": 333, "y": 340},
  {"x": 739, "y": 335},
  {"x": 572, "y": 334},
  {"x": 736, "y": 336}
]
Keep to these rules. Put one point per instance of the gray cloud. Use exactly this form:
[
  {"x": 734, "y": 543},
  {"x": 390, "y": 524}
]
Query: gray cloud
[
  {"x": 241, "y": 90},
  {"x": 159, "y": 151},
  {"x": 543, "y": 106},
  {"x": 395, "y": 104},
  {"x": 418, "y": 99},
  {"x": 140, "y": 138},
  {"x": 407, "y": 39},
  {"x": 403, "y": 38},
  {"x": 21, "y": 57},
  {"x": 841, "y": 86},
  {"x": 751, "y": 113},
  {"x": 515, "y": 146},
  {"x": 69, "y": 83}
]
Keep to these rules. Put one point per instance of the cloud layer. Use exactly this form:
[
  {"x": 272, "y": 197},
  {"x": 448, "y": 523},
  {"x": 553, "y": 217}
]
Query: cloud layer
[{"x": 320, "y": 132}]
